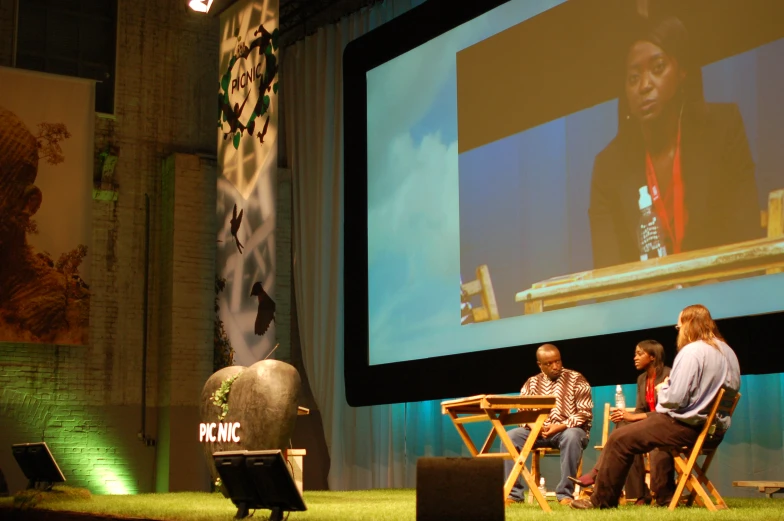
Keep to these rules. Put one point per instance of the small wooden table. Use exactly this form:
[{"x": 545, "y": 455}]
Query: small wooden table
[
  {"x": 766, "y": 487},
  {"x": 743, "y": 259},
  {"x": 497, "y": 409},
  {"x": 295, "y": 456}
]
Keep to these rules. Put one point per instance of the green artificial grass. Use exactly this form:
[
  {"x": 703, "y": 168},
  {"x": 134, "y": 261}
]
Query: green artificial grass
[{"x": 378, "y": 504}]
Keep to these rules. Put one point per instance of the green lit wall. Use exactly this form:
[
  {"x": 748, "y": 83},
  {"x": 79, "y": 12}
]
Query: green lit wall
[
  {"x": 85, "y": 401},
  {"x": 44, "y": 397}
]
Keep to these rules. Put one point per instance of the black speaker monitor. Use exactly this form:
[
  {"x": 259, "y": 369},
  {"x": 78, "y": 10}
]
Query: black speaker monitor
[
  {"x": 37, "y": 464},
  {"x": 460, "y": 489},
  {"x": 258, "y": 479}
]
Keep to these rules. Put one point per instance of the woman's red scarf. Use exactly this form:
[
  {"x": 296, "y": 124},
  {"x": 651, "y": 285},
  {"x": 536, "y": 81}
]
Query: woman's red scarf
[{"x": 672, "y": 199}]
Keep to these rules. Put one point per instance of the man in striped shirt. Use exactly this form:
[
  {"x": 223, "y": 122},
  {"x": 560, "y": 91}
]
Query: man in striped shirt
[{"x": 567, "y": 426}]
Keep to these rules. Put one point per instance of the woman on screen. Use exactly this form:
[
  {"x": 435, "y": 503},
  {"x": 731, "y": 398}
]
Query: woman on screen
[
  {"x": 648, "y": 358},
  {"x": 692, "y": 156}
]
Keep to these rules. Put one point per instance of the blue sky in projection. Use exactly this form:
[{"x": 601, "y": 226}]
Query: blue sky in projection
[
  {"x": 418, "y": 237},
  {"x": 413, "y": 221}
]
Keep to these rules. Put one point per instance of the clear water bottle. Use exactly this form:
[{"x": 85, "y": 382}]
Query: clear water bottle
[
  {"x": 542, "y": 487},
  {"x": 649, "y": 234},
  {"x": 620, "y": 401}
]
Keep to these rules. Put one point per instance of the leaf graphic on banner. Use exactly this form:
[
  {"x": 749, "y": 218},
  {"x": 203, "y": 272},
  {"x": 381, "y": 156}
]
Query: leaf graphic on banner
[
  {"x": 275, "y": 88},
  {"x": 272, "y": 68},
  {"x": 252, "y": 69}
]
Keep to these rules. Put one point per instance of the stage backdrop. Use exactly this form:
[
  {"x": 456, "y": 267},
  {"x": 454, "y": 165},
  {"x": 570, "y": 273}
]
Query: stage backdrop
[
  {"x": 247, "y": 164},
  {"x": 46, "y": 168}
]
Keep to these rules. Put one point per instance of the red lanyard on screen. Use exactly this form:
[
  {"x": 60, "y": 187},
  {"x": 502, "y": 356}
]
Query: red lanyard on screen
[{"x": 677, "y": 187}]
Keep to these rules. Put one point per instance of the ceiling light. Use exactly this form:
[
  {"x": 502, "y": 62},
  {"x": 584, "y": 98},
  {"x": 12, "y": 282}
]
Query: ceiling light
[{"x": 201, "y": 6}]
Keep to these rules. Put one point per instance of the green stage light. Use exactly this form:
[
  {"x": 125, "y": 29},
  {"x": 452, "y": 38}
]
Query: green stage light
[{"x": 110, "y": 482}]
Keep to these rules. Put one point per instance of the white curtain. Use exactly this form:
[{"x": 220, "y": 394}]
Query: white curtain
[{"x": 370, "y": 447}]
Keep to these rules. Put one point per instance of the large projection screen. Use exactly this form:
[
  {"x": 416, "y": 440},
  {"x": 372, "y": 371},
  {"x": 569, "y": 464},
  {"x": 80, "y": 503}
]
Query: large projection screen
[{"x": 499, "y": 165}]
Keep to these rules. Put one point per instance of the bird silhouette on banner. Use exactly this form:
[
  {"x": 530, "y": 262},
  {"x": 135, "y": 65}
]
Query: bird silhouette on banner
[
  {"x": 266, "y": 312},
  {"x": 236, "y": 220}
]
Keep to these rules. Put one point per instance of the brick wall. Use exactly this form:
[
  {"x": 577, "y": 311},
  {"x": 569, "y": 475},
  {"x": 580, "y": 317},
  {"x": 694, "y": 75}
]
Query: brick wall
[
  {"x": 187, "y": 293},
  {"x": 86, "y": 401}
]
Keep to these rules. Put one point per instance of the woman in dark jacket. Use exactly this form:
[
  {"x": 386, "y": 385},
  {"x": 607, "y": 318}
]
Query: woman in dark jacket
[
  {"x": 648, "y": 358},
  {"x": 693, "y": 156}
]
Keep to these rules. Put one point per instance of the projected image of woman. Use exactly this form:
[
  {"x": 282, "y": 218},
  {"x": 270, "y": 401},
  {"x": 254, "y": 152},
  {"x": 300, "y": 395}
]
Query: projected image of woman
[{"x": 693, "y": 156}]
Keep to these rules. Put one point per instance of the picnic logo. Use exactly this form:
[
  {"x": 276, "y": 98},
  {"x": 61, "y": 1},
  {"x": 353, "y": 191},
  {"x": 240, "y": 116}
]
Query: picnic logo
[
  {"x": 245, "y": 87},
  {"x": 226, "y": 432}
]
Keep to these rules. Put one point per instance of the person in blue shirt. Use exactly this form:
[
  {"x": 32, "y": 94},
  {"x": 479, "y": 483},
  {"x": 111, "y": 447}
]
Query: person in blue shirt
[{"x": 704, "y": 365}]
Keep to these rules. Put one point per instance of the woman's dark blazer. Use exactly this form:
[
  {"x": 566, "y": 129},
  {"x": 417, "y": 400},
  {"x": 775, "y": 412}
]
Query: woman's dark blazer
[
  {"x": 720, "y": 190},
  {"x": 642, "y": 404}
]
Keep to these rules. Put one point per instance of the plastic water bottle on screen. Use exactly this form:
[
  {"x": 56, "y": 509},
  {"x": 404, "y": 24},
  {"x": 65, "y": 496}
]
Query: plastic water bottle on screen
[
  {"x": 542, "y": 487},
  {"x": 649, "y": 233},
  {"x": 620, "y": 401}
]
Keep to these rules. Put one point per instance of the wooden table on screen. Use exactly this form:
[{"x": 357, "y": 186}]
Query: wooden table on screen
[
  {"x": 757, "y": 257},
  {"x": 497, "y": 409}
]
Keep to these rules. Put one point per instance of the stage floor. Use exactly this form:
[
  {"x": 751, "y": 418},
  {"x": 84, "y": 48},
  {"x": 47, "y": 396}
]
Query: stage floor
[{"x": 379, "y": 504}]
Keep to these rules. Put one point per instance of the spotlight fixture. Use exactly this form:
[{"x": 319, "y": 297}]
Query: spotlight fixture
[
  {"x": 38, "y": 465},
  {"x": 258, "y": 479},
  {"x": 200, "y": 6}
]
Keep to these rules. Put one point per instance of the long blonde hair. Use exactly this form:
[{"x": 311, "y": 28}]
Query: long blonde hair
[{"x": 697, "y": 324}]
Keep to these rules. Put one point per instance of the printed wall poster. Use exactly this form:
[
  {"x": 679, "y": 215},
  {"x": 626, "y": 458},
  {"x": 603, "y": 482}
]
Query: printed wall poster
[{"x": 46, "y": 169}]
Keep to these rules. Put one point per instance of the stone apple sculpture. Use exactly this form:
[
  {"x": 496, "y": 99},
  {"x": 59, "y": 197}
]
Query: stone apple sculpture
[{"x": 262, "y": 398}]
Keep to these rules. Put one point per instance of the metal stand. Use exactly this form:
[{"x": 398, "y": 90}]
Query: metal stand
[{"x": 242, "y": 511}]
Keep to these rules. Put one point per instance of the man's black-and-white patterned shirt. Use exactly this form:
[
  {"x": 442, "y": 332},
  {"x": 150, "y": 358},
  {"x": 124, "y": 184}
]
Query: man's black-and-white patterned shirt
[{"x": 573, "y": 401}]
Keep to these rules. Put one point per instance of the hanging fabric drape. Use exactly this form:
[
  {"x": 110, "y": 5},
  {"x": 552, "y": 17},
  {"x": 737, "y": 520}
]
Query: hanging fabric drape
[{"x": 368, "y": 444}]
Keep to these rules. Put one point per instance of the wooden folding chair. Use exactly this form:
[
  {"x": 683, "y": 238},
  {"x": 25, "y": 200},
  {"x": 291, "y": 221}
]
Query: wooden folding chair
[
  {"x": 692, "y": 475},
  {"x": 482, "y": 286},
  {"x": 772, "y": 219},
  {"x": 536, "y": 468},
  {"x": 606, "y": 423}
]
